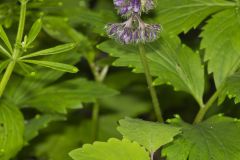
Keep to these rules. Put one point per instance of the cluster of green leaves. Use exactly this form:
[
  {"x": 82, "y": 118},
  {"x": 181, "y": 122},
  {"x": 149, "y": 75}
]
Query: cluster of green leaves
[{"x": 44, "y": 113}]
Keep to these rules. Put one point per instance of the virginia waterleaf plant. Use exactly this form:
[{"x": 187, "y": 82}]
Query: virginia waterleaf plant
[{"x": 47, "y": 114}]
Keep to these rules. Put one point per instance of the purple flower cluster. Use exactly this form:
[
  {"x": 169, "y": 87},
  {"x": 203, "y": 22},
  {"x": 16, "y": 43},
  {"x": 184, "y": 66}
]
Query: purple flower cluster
[
  {"x": 134, "y": 30},
  {"x": 126, "y": 33}
]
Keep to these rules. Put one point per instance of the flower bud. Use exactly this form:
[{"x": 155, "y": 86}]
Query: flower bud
[{"x": 127, "y": 8}]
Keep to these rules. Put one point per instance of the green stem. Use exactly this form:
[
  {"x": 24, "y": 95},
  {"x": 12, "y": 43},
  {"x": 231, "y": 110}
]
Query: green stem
[
  {"x": 152, "y": 90},
  {"x": 99, "y": 77},
  {"x": 95, "y": 121},
  {"x": 203, "y": 110},
  {"x": 17, "y": 50}
]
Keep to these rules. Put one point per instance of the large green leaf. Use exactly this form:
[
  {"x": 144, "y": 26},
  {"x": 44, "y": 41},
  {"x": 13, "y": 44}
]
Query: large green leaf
[
  {"x": 114, "y": 149},
  {"x": 169, "y": 61},
  {"x": 69, "y": 94},
  {"x": 220, "y": 40},
  {"x": 11, "y": 130},
  {"x": 177, "y": 16},
  {"x": 149, "y": 134},
  {"x": 215, "y": 139}
]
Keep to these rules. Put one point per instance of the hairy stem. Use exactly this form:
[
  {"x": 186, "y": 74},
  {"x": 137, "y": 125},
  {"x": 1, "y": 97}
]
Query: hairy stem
[
  {"x": 203, "y": 110},
  {"x": 17, "y": 50},
  {"x": 152, "y": 90}
]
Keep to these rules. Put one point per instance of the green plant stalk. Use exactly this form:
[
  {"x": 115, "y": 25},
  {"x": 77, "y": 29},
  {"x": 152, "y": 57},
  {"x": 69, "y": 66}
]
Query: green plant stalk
[
  {"x": 17, "y": 50},
  {"x": 99, "y": 77},
  {"x": 203, "y": 110},
  {"x": 95, "y": 121},
  {"x": 151, "y": 88}
]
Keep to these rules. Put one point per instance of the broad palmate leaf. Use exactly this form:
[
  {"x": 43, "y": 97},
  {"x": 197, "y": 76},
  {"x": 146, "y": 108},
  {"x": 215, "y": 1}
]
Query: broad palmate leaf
[
  {"x": 182, "y": 15},
  {"x": 215, "y": 139},
  {"x": 11, "y": 130},
  {"x": 151, "y": 135},
  {"x": 114, "y": 149},
  {"x": 221, "y": 40},
  {"x": 169, "y": 61}
]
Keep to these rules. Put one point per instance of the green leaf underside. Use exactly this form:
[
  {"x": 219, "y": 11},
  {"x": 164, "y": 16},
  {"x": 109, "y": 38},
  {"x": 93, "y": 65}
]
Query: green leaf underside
[
  {"x": 169, "y": 61},
  {"x": 54, "y": 65},
  {"x": 231, "y": 88},
  {"x": 149, "y": 134},
  {"x": 34, "y": 31},
  {"x": 114, "y": 149},
  {"x": 51, "y": 51},
  {"x": 69, "y": 94},
  {"x": 5, "y": 39},
  {"x": 11, "y": 130},
  {"x": 221, "y": 39},
  {"x": 214, "y": 139},
  {"x": 182, "y": 15},
  {"x": 62, "y": 31},
  {"x": 33, "y": 126}
]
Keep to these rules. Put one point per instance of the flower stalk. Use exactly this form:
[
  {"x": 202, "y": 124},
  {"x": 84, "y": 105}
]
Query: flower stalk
[
  {"x": 135, "y": 31},
  {"x": 151, "y": 88}
]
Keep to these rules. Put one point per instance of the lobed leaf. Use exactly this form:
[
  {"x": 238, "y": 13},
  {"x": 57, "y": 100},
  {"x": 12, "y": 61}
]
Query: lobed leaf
[
  {"x": 114, "y": 149},
  {"x": 151, "y": 135},
  {"x": 220, "y": 40},
  {"x": 169, "y": 61},
  {"x": 213, "y": 139},
  {"x": 178, "y": 16}
]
